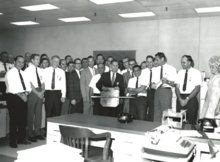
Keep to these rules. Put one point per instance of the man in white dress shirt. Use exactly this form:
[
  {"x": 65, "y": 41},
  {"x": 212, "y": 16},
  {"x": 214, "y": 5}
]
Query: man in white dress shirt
[
  {"x": 137, "y": 88},
  {"x": 11, "y": 59},
  {"x": 188, "y": 84},
  {"x": 4, "y": 65},
  {"x": 100, "y": 60},
  {"x": 93, "y": 91},
  {"x": 17, "y": 90},
  {"x": 166, "y": 75},
  {"x": 55, "y": 87},
  {"x": 35, "y": 98}
]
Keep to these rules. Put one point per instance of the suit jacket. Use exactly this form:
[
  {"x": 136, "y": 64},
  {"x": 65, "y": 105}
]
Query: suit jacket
[
  {"x": 85, "y": 79},
  {"x": 73, "y": 86},
  {"x": 105, "y": 81}
]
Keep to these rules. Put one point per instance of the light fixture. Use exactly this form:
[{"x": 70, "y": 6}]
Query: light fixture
[
  {"x": 1, "y": 13},
  {"x": 40, "y": 7},
  {"x": 98, "y": 2},
  {"x": 24, "y": 23},
  {"x": 74, "y": 19},
  {"x": 208, "y": 9},
  {"x": 138, "y": 14}
]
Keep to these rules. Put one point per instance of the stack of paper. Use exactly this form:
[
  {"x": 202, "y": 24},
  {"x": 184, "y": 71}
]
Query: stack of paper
[{"x": 57, "y": 152}]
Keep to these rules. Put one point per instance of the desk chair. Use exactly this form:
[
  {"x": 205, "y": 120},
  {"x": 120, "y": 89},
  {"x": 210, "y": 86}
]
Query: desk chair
[{"x": 81, "y": 137}]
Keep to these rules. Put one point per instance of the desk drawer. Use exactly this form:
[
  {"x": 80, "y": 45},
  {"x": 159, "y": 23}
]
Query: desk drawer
[{"x": 53, "y": 139}]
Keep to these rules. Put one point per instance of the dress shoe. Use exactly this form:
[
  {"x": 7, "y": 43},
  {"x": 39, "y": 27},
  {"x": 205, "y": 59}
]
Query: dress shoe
[
  {"x": 13, "y": 145},
  {"x": 24, "y": 142},
  {"x": 32, "y": 139},
  {"x": 39, "y": 137}
]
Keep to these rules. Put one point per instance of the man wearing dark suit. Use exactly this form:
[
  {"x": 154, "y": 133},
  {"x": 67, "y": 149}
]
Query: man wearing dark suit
[
  {"x": 127, "y": 75},
  {"x": 73, "y": 85},
  {"x": 112, "y": 79}
]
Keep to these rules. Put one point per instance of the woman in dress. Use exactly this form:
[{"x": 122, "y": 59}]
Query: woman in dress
[{"x": 211, "y": 107}]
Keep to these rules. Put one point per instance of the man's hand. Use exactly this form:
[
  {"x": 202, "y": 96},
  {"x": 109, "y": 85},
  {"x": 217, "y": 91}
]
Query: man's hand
[
  {"x": 186, "y": 101},
  {"x": 43, "y": 99},
  {"x": 116, "y": 88},
  {"x": 24, "y": 97},
  {"x": 164, "y": 80},
  {"x": 73, "y": 102},
  {"x": 105, "y": 89},
  {"x": 91, "y": 103},
  {"x": 182, "y": 102},
  {"x": 62, "y": 99},
  {"x": 40, "y": 95},
  {"x": 153, "y": 85}
]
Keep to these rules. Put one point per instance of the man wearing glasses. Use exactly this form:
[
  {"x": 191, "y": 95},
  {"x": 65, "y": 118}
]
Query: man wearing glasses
[{"x": 125, "y": 64}]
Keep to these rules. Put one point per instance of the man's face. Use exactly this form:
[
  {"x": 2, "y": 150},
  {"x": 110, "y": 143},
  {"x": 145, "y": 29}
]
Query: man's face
[
  {"x": 36, "y": 60},
  {"x": 125, "y": 63},
  {"x": 109, "y": 61},
  {"x": 78, "y": 64},
  {"x": 63, "y": 65},
  {"x": 11, "y": 58},
  {"x": 28, "y": 57},
  {"x": 100, "y": 60},
  {"x": 68, "y": 59},
  {"x": 159, "y": 61},
  {"x": 143, "y": 65},
  {"x": 137, "y": 71},
  {"x": 91, "y": 62},
  {"x": 114, "y": 66},
  {"x": 101, "y": 68},
  {"x": 71, "y": 67},
  {"x": 45, "y": 64},
  {"x": 55, "y": 62},
  {"x": 19, "y": 63},
  {"x": 131, "y": 64},
  {"x": 85, "y": 63},
  {"x": 4, "y": 57},
  {"x": 149, "y": 63},
  {"x": 185, "y": 63}
]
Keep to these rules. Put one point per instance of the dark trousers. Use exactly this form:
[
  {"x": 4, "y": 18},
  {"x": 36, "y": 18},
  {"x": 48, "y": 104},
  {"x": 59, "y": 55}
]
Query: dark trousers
[
  {"x": 112, "y": 111},
  {"x": 162, "y": 101},
  {"x": 138, "y": 107},
  {"x": 52, "y": 103},
  {"x": 97, "y": 107},
  {"x": 65, "y": 107},
  {"x": 17, "y": 109},
  {"x": 34, "y": 113},
  {"x": 192, "y": 107},
  {"x": 77, "y": 108},
  {"x": 150, "y": 105}
]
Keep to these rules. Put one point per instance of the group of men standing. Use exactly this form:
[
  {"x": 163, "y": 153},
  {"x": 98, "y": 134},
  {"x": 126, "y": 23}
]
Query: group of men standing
[{"x": 65, "y": 87}]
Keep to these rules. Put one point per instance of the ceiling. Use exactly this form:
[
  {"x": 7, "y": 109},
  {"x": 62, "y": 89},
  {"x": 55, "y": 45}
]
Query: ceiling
[{"x": 104, "y": 13}]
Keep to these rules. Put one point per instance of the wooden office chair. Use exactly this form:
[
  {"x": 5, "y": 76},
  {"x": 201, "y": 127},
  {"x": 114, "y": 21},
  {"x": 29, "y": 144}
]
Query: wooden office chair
[{"x": 80, "y": 138}]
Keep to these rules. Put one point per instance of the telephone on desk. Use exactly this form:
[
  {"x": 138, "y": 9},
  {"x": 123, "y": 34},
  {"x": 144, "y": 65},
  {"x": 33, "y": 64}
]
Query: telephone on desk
[
  {"x": 207, "y": 124},
  {"x": 125, "y": 118}
]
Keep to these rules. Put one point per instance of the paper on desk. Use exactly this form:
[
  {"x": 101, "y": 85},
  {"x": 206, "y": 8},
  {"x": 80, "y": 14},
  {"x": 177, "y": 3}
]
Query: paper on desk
[
  {"x": 190, "y": 133},
  {"x": 56, "y": 152}
]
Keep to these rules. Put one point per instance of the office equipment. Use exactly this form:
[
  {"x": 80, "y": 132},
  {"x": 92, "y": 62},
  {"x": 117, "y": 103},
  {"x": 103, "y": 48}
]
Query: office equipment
[
  {"x": 169, "y": 115},
  {"x": 81, "y": 137},
  {"x": 207, "y": 125},
  {"x": 125, "y": 118}
]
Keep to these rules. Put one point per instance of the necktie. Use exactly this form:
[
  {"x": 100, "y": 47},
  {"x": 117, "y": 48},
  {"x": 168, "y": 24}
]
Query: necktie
[
  {"x": 136, "y": 86},
  {"x": 5, "y": 66},
  {"x": 22, "y": 81},
  {"x": 113, "y": 79},
  {"x": 53, "y": 80},
  {"x": 185, "y": 81},
  {"x": 161, "y": 72},
  {"x": 38, "y": 79},
  {"x": 150, "y": 78}
]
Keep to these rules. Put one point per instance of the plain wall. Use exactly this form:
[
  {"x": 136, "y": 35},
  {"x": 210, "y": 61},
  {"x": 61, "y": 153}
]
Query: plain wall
[{"x": 198, "y": 37}]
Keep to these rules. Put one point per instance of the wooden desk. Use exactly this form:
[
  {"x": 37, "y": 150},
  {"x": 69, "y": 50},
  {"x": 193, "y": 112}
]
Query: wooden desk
[{"x": 129, "y": 138}]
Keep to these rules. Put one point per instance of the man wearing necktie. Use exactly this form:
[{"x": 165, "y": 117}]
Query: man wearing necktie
[
  {"x": 112, "y": 79},
  {"x": 164, "y": 76},
  {"x": 35, "y": 98},
  {"x": 73, "y": 86},
  {"x": 150, "y": 91},
  {"x": 126, "y": 76},
  {"x": 188, "y": 84},
  {"x": 17, "y": 90},
  {"x": 137, "y": 88},
  {"x": 55, "y": 87},
  {"x": 85, "y": 78}
]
